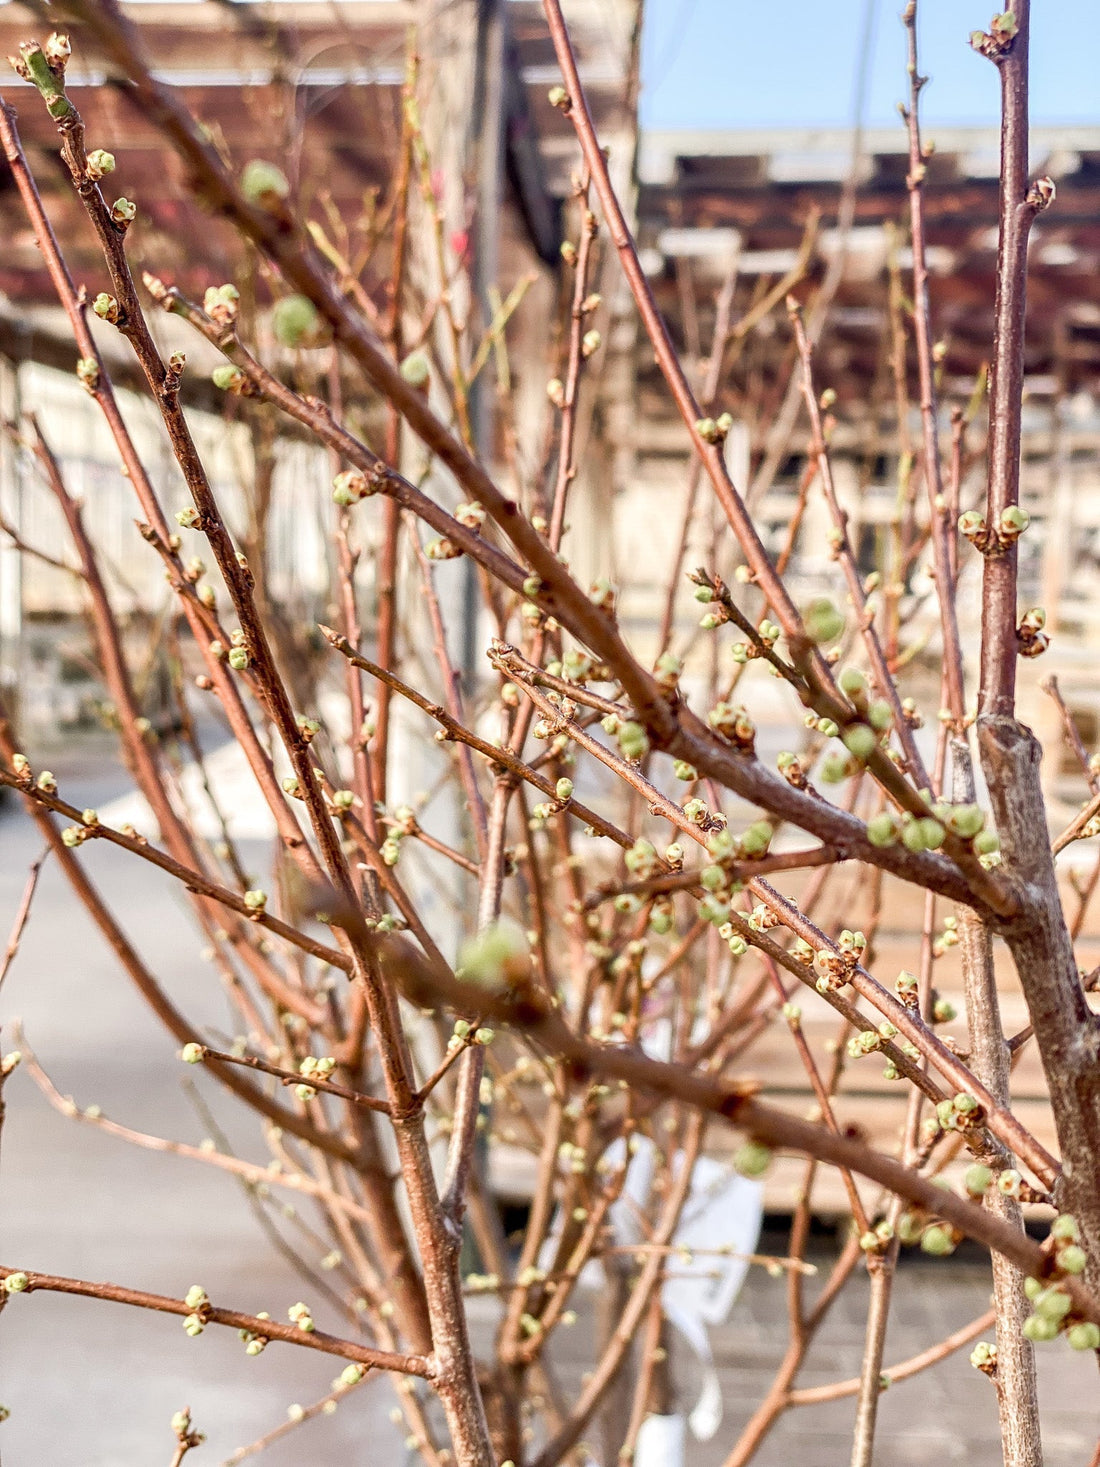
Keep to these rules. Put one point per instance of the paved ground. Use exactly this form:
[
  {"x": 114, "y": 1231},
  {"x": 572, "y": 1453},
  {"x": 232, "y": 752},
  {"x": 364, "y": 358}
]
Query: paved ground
[{"x": 91, "y": 1385}]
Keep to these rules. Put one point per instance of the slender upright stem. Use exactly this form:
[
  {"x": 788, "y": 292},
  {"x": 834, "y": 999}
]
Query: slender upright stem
[{"x": 997, "y": 691}]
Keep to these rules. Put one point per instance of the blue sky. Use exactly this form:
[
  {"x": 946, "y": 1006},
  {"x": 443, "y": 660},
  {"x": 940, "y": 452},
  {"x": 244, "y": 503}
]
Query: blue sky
[{"x": 744, "y": 63}]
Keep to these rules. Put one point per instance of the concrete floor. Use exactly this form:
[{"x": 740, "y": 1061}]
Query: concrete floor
[{"x": 94, "y": 1385}]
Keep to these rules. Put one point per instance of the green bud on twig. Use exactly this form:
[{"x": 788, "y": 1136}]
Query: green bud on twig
[
  {"x": 295, "y": 321},
  {"x": 263, "y": 183},
  {"x": 937, "y": 1241},
  {"x": 1013, "y": 522},
  {"x": 824, "y": 623},
  {"x": 416, "y": 371},
  {"x": 100, "y": 163},
  {"x": 106, "y": 308},
  {"x": 1083, "y": 1336},
  {"x": 752, "y": 1159},
  {"x": 1039, "y": 1330}
]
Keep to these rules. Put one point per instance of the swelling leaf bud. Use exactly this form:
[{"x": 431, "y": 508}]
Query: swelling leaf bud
[
  {"x": 1013, "y": 522},
  {"x": 263, "y": 183},
  {"x": 295, "y": 321},
  {"x": 100, "y": 163},
  {"x": 416, "y": 371},
  {"x": 752, "y": 1159},
  {"x": 1083, "y": 1336},
  {"x": 824, "y": 623},
  {"x": 937, "y": 1241}
]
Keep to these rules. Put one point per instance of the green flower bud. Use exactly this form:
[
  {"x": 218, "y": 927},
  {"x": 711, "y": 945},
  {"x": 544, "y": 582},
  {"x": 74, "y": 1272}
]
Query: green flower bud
[
  {"x": 937, "y": 1241},
  {"x": 416, "y": 370},
  {"x": 263, "y": 183},
  {"x": 87, "y": 371},
  {"x": 1083, "y": 1336},
  {"x": 228, "y": 377},
  {"x": 978, "y": 1179},
  {"x": 860, "y": 741},
  {"x": 757, "y": 838},
  {"x": 880, "y": 716},
  {"x": 1053, "y": 1304},
  {"x": 564, "y": 789},
  {"x": 238, "y": 658},
  {"x": 294, "y": 320},
  {"x": 714, "y": 911},
  {"x": 193, "y": 1054},
  {"x": 255, "y": 900},
  {"x": 1065, "y": 1229},
  {"x": 633, "y": 741},
  {"x": 852, "y": 682},
  {"x": 823, "y": 622},
  {"x": 660, "y": 921},
  {"x": 835, "y": 769},
  {"x": 15, "y": 1283},
  {"x": 1013, "y": 522},
  {"x": 1039, "y": 1330},
  {"x": 100, "y": 163},
  {"x": 752, "y": 1159},
  {"x": 494, "y": 956},
  {"x": 883, "y": 829},
  {"x": 1072, "y": 1260},
  {"x": 933, "y": 833},
  {"x": 966, "y": 821}
]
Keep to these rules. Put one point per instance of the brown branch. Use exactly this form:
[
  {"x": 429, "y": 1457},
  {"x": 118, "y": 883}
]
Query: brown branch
[
  {"x": 269, "y": 1329},
  {"x": 943, "y": 529},
  {"x": 22, "y": 915},
  {"x": 296, "y": 1077},
  {"x": 904, "y": 1370},
  {"x": 1018, "y": 208},
  {"x": 733, "y": 1101},
  {"x": 195, "y": 881}
]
